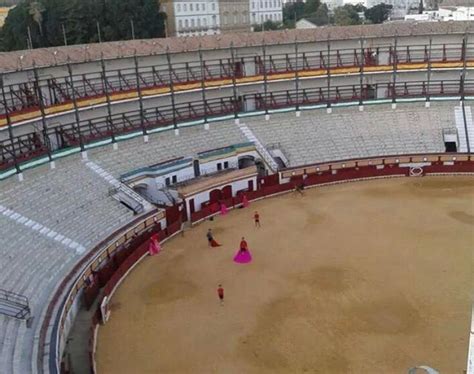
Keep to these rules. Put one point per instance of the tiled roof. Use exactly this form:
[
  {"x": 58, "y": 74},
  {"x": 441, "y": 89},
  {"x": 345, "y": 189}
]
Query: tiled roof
[{"x": 19, "y": 60}]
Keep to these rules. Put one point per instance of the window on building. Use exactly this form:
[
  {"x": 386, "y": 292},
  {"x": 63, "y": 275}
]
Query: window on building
[
  {"x": 219, "y": 166},
  {"x": 214, "y": 20},
  {"x": 167, "y": 181},
  {"x": 191, "y": 7},
  {"x": 180, "y": 24},
  {"x": 179, "y": 7},
  {"x": 199, "y": 22},
  {"x": 185, "y": 7},
  {"x": 254, "y": 18},
  {"x": 253, "y": 4},
  {"x": 226, "y": 164},
  {"x": 235, "y": 19},
  {"x": 204, "y": 21},
  {"x": 175, "y": 179},
  {"x": 213, "y": 6},
  {"x": 192, "y": 22},
  {"x": 186, "y": 23}
]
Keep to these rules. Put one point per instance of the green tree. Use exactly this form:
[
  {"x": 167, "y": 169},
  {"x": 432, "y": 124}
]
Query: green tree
[
  {"x": 421, "y": 7},
  {"x": 346, "y": 15},
  {"x": 311, "y": 7},
  {"x": 293, "y": 12},
  {"x": 14, "y": 32},
  {"x": 268, "y": 25},
  {"x": 312, "y": 10},
  {"x": 378, "y": 13},
  {"x": 321, "y": 16},
  {"x": 46, "y": 18}
]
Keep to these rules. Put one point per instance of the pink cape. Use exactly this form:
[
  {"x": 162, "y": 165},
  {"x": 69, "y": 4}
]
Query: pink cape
[
  {"x": 245, "y": 202},
  {"x": 224, "y": 210},
  {"x": 243, "y": 257},
  {"x": 154, "y": 246}
]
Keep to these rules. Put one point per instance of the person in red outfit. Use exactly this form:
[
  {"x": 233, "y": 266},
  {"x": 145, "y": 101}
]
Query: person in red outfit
[
  {"x": 243, "y": 245},
  {"x": 220, "y": 293},
  {"x": 256, "y": 218}
]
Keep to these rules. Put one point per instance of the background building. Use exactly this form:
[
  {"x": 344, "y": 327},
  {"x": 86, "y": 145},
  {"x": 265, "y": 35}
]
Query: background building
[
  {"x": 305, "y": 24},
  {"x": 333, "y": 3},
  {"x": 234, "y": 15},
  {"x": 186, "y": 18},
  {"x": 456, "y": 10},
  {"x": 265, "y": 10},
  {"x": 449, "y": 10},
  {"x": 208, "y": 17}
]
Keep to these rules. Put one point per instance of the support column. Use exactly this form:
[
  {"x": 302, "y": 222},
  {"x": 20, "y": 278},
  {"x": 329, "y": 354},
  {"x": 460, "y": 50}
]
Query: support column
[
  {"x": 328, "y": 68},
  {"x": 265, "y": 80},
  {"x": 39, "y": 94},
  {"x": 428, "y": 83},
  {"x": 203, "y": 88},
  {"x": 297, "y": 80},
  {"x": 464, "y": 65},
  {"x": 234, "y": 85},
  {"x": 107, "y": 98},
  {"x": 394, "y": 74},
  {"x": 76, "y": 112},
  {"x": 140, "y": 99},
  {"x": 361, "y": 70},
  {"x": 10, "y": 131},
  {"x": 173, "y": 106}
]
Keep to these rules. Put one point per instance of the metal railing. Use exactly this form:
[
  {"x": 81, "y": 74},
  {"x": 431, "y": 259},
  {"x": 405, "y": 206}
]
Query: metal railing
[{"x": 14, "y": 305}]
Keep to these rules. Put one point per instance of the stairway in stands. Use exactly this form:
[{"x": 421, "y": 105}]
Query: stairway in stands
[
  {"x": 267, "y": 157},
  {"x": 464, "y": 122},
  {"x": 121, "y": 191}
]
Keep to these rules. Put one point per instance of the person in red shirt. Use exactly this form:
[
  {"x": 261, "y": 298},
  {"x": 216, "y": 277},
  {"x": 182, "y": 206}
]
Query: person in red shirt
[
  {"x": 220, "y": 293},
  {"x": 256, "y": 218},
  {"x": 243, "y": 245}
]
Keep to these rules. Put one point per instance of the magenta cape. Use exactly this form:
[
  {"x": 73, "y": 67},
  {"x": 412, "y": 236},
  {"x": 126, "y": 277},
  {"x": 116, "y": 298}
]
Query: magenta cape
[
  {"x": 243, "y": 257},
  {"x": 224, "y": 210},
  {"x": 154, "y": 247}
]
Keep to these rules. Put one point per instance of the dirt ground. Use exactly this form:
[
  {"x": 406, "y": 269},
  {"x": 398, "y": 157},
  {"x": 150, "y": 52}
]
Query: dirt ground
[{"x": 368, "y": 277}]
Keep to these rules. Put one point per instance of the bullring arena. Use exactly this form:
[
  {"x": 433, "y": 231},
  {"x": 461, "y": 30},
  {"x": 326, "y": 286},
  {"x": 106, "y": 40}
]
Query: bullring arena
[
  {"x": 104, "y": 147},
  {"x": 326, "y": 292}
]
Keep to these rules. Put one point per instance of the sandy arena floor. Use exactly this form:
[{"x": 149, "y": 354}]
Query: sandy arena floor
[{"x": 369, "y": 277}]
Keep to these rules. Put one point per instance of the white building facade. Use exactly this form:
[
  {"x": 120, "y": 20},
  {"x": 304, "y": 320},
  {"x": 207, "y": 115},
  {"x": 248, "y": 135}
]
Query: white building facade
[
  {"x": 188, "y": 18},
  {"x": 456, "y": 13},
  {"x": 209, "y": 17},
  {"x": 265, "y": 10}
]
